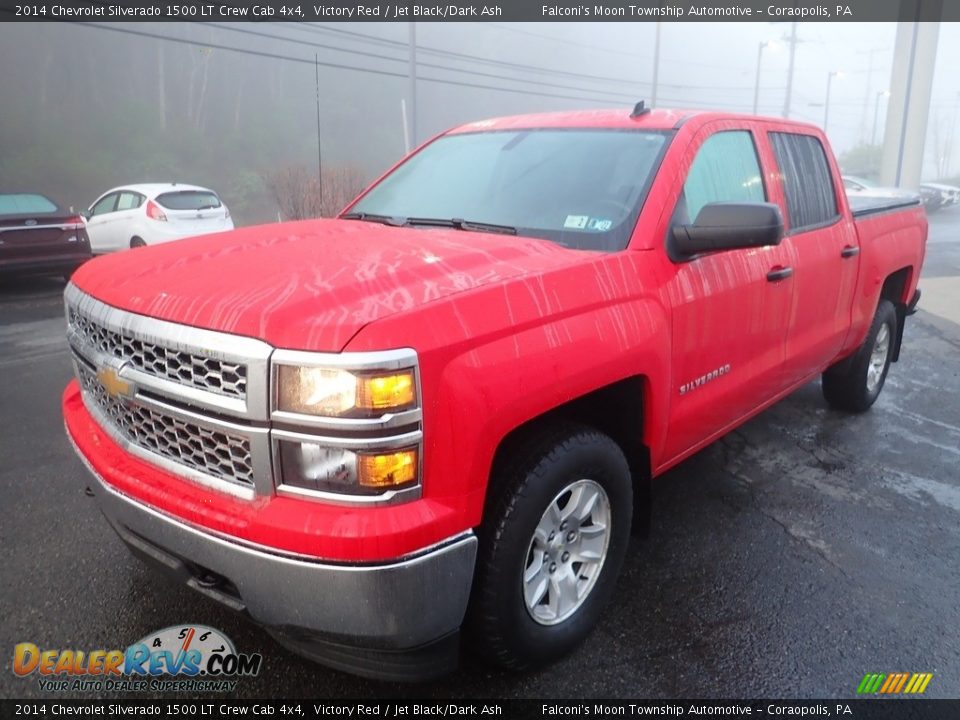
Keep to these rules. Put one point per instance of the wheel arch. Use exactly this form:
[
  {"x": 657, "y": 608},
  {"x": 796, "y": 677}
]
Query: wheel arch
[
  {"x": 895, "y": 288},
  {"x": 616, "y": 410}
]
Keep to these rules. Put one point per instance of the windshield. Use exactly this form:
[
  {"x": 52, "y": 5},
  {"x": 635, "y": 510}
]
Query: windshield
[{"x": 580, "y": 188}]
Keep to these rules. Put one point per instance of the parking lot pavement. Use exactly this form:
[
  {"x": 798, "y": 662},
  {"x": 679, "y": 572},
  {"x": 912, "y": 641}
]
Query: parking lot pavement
[{"x": 788, "y": 559}]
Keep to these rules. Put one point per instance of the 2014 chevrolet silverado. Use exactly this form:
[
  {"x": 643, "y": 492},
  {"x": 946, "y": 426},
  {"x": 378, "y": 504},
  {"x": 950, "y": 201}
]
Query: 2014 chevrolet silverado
[{"x": 443, "y": 408}]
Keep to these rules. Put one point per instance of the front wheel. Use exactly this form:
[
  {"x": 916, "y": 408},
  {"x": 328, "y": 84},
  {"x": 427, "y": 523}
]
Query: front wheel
[
  {"x": 551, "y": 547},
  {"x": 855, "y": 384}
]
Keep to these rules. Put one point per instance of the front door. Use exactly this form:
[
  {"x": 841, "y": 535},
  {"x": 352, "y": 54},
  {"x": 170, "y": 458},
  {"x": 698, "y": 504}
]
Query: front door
[{"x": 730, "y": 309}]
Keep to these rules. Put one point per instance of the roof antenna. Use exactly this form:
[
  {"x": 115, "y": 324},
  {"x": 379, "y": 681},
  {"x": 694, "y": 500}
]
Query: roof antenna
[{"x": 639, "y": 110}]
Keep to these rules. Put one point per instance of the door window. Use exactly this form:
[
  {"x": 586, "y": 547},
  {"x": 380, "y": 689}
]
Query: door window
[
  {"x": 726, "y": 169},
  {"x": 129, "y": 201},
  {"x": 807, "y": 180},
  {"x": 106, "y": 204}
]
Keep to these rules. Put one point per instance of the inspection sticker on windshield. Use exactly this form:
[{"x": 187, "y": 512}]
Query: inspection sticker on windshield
[
  {"x": 576, "y": 222},
  {"x": 599, "y": 224}
]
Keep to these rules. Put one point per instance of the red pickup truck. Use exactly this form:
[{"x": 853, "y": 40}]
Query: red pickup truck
[{"x": 441, "y": 411}]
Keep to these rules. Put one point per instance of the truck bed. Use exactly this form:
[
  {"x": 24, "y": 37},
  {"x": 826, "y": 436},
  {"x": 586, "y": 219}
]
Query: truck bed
[{"x": 861, "y": 206}]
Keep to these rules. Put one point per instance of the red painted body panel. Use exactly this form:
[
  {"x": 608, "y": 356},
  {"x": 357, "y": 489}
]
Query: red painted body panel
[{"x": 507, "y": 328}]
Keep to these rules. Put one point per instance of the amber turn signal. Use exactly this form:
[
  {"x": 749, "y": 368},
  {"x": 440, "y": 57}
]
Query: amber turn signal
[
  {"x": 386, "y": 392},
  {"x": 388, "y": 469}
]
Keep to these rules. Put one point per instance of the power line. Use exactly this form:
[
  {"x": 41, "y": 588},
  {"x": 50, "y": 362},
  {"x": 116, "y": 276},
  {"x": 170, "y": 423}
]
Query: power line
[
  {"x": 473, "y": 58},
  {"x": 435, "y": 66},
  {"x": 519, "y": 66},
  {"x": 339, "y": 66},
  {"x": 603, "y": 49}
]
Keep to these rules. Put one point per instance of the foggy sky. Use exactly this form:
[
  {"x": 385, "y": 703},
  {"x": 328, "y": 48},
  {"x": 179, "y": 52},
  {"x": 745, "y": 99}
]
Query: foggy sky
[{"x": 259, "y": 113}]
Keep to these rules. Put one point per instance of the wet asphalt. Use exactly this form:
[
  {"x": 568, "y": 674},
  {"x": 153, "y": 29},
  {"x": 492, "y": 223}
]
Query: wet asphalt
[{"x": 800, "y": 552}]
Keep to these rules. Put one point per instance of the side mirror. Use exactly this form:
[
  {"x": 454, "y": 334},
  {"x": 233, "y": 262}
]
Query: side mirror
[
  {"x": 85, "y": 214},
  {"x": 727, "y": 226}
]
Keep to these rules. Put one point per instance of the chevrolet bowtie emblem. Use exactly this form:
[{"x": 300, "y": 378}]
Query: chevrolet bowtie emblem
[{"x": 115, "y": 386}]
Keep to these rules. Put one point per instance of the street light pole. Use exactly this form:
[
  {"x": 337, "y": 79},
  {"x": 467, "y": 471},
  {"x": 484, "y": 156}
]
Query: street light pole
[
  {"x": 826, "y": 105},
  {"x": 412, "y": 79},
  {"x": 876, "y": 113},
  {"x": 656, "y": 67},
  {"x": 756, "y": 85}
]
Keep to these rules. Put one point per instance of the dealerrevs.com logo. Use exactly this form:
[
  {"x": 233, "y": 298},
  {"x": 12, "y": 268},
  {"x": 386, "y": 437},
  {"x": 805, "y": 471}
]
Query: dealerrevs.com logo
[{"x": 186, "y": 658}]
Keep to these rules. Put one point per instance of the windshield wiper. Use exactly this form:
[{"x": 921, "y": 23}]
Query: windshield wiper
[
  {"x": 467, "y": 225},
  {"x": 369, "y": 217}
]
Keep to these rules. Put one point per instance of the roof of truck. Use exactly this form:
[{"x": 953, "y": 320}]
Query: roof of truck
[{"x": 658, "y": 119}]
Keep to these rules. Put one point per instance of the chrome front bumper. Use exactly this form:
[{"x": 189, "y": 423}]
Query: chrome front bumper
[{"x": 360, "y": 618}]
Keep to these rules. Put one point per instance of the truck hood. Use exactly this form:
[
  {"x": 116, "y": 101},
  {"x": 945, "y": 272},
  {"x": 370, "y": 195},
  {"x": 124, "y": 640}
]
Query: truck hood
[{"x": 310, "y": 285}]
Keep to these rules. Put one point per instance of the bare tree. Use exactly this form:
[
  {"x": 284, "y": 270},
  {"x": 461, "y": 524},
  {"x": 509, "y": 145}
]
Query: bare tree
[{"x": 299, "y": 194}]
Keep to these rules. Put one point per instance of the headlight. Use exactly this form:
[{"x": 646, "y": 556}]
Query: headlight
[
  {"x": 312, "y": 466},
  {"x": 347, "y": 427},
  {"x": 334, "y": 392}
]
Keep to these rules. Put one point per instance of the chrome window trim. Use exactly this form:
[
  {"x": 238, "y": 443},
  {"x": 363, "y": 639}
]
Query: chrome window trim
[{"x": 255, "y": 354}]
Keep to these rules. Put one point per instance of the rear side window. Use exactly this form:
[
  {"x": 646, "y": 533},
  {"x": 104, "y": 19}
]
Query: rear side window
[
  {"x": 189, "y": 200},
  {"x": 726, "y": 169},
  {"x": 807, "y": 182},
  {"x": 25, "y": 203},
  {"x": 129, "y": 201}
]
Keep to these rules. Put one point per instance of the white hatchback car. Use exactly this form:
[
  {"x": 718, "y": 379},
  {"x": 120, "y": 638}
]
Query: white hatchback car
[{"x": 136, "y": 215}]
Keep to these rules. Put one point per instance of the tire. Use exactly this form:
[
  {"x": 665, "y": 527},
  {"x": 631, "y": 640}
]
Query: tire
[
  {"x": 137, "y": 242},
  {"x": 521, "y": 624},
  {"x": 854, "y": 384}
]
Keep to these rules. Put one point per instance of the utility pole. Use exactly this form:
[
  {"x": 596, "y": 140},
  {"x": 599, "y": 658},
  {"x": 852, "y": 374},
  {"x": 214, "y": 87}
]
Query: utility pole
[
  {"x": 412, "y": 71},
  {"x": 826, "y": 105},
  {"x": 793, "y": 51},
  {"x": 316, "y": 68},
  {"x": 876, "y": 113},
  {"x": 656, "y": 67},
  {"x": 868, "y": 88},
  {"x": 756, "y": 85}
]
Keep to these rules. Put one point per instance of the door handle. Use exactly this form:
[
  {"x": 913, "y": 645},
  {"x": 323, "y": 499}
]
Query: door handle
[
  {"x": 849, "y": 251},
  {"x": 780, "y": 273}
]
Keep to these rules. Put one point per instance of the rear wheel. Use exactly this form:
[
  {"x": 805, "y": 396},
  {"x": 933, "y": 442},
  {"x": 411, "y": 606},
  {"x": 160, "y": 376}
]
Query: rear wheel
[
  {"x": 137, "y": 242},
  {"x": 551, "y": 547},
  {"x": 855, "y": 384}
]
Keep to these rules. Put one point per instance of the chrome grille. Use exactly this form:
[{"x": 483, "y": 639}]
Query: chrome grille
[
  {"x": 204, "y": 373},
  {"x": 216, "y": 453}
]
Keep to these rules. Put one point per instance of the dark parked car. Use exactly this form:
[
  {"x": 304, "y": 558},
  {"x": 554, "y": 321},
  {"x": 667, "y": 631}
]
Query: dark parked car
[{"x": 38, "y": 236}]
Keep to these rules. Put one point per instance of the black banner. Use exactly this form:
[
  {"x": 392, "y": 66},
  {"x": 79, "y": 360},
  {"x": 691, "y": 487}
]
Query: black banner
[
  {"x": 914, "y": 708},
  {"x": 482, "y": 10}
]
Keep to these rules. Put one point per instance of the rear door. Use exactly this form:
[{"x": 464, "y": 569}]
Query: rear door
[
  {"x": 728, "y": 316},
  {"x": 126, "y": 218},
  {"x": 826, "y": 248},
  {"x": 101, "y": 225}
]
